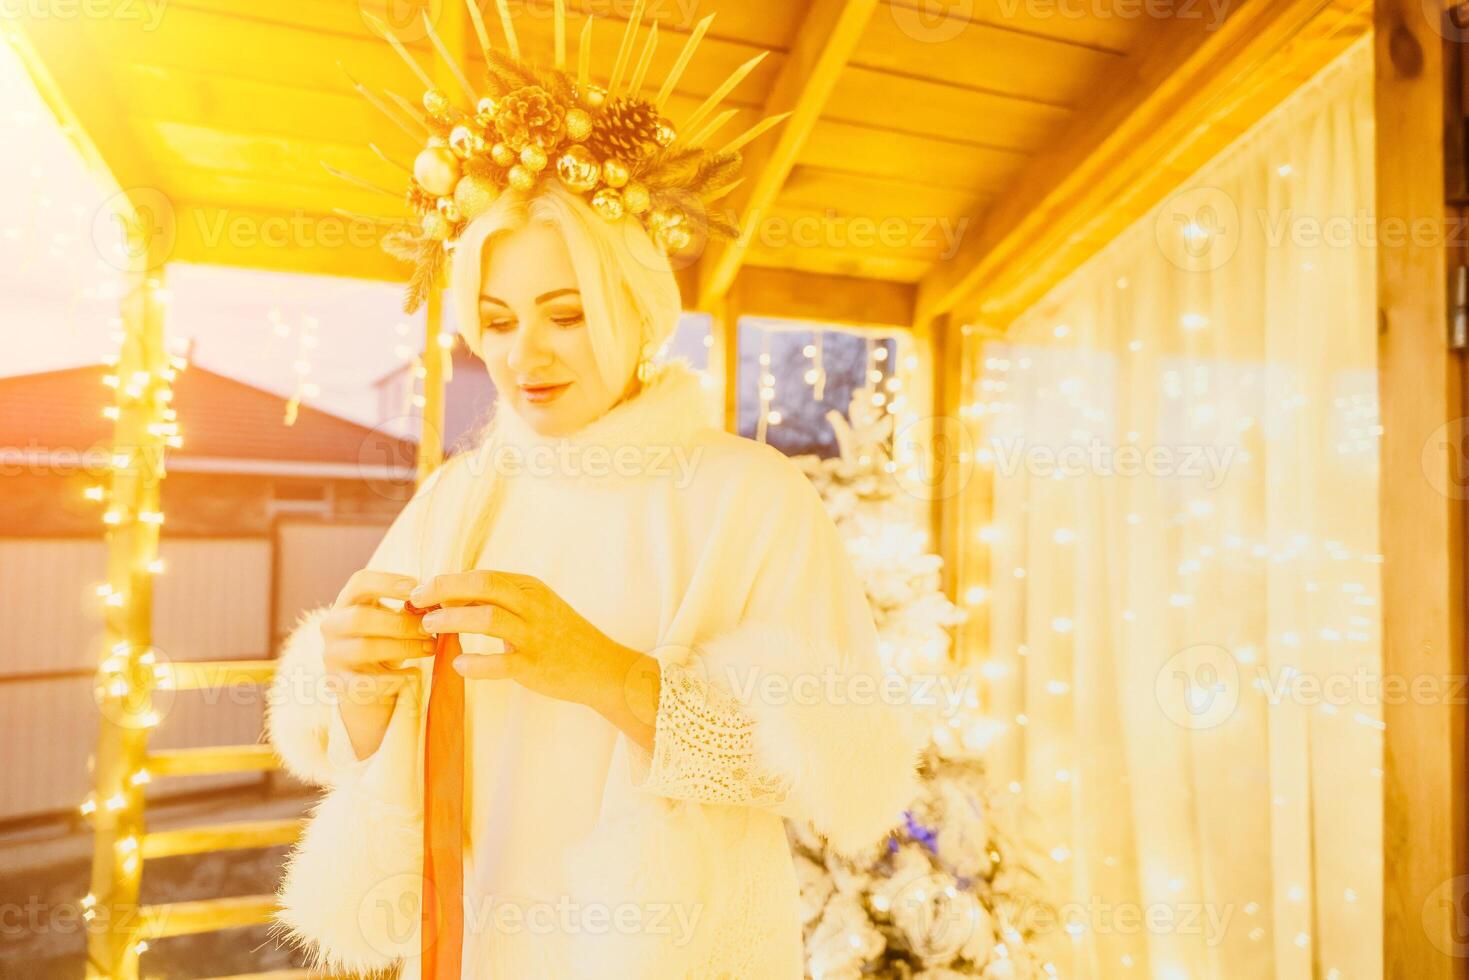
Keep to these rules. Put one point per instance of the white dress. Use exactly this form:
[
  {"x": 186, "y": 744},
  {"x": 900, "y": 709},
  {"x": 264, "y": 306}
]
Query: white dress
[{"x": 587, "y": 855}]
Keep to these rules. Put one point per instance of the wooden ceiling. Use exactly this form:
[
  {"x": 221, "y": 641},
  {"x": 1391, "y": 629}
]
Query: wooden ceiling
[{"x": 911, "y": 132}]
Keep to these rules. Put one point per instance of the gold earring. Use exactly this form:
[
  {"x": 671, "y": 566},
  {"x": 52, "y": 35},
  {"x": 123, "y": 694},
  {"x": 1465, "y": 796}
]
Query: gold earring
[{"x": 645, "y": 364}]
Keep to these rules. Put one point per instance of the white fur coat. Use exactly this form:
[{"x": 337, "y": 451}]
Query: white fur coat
[{"x": 750, "y": 592}]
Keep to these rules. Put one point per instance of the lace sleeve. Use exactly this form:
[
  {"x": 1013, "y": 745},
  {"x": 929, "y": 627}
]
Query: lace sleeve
[{"x": 704, "y": 746}]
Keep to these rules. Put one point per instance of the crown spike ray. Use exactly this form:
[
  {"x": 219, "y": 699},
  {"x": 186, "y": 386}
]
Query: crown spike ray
[
  {"x": 755, "y": 131},
  {"x": 380, "y": 106},
  {"x": 397, "y": 45},
  {"x": 508, "y": 26},
  {"x": 584, "y": 54},
  {"x": 624, "y": 49},
  {"x": 724, "y": 88},
  {"x": 471, "y": 7},
  {"x": 409, "y": 108},
  {"x": 560, "y": 31},
  {"x": 711, "y": 127},
  {"x": 357, "y": 181},
  {"x": 683, "y": 61},
  {"x": 640, "y": 74},
  {"x": 377, "y": 151},
  {"x": 448, "y": 59}
]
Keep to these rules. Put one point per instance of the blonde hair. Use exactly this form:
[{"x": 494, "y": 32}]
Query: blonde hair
[
  {"x": 629, "y": 292},
  {"x": 629, "y": 296}
]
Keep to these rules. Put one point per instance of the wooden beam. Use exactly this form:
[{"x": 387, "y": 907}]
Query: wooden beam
[
  {"x": 194, "y": 675},
  {"x": 238, "y": 836},
  {"x": 843, "y": 300},
  {"x": 1146, "y": 127},
  {"x": 282, "y": 241},
  {"x": 1422, "y": 522},
  {"x": 69, "y": 73},
  {"x": 205, "y": 915},
  {"x": 212, "y": 759},
  {"x": 823, "y": 44}
]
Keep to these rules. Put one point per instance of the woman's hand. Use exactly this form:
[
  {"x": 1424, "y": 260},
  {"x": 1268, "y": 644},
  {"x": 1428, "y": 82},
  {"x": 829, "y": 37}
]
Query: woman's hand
[
  {"x": 366, "y": 643},
  {"x": 550, "y": 648}
]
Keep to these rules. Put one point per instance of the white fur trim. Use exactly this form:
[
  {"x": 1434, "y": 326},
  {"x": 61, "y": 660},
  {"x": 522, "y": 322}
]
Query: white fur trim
[
  {"x": 298, "y": 710},
  {"x": 350, "y": 894},
  {"x": 851, "y": 755},
  {"x": 353, "y": 883}
]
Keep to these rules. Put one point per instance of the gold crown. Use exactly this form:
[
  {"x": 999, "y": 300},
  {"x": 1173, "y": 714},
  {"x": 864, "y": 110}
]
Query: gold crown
[{"x": 531, "y": 123}]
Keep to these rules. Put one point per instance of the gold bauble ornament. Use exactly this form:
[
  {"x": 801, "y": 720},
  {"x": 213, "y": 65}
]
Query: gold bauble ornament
[
  {"x": 534, "y": 158},
  {"x": 521, "y": 178},
  {"x": 502, "y": 154},
  {"x": 435, "y": 225},
  {"x": 637, "y": 198},
  {"x": 664, "y": 218},
  {"x": 437, "y": 171},
  {"x": 665, "y": 134},
  {"x": 578, "y": 124},
  {"x": 578, "y": 169},
  {"x": 461, "y": 141},
  {"x": 486, "y": 106},
  {"x": 615, "y": 173},
  {"x": 608, "y": 203},
  {"x": 436, "y": 103},
  {"x": 594, "y": 96},
  {"x": 673, "y": 239},
  {"x": 474, "y": 195}
]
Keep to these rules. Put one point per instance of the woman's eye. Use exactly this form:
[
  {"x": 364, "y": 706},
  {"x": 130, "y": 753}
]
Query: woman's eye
[
  {"x": 499, "y": 324},
  {"x": 568, "y": 319}
]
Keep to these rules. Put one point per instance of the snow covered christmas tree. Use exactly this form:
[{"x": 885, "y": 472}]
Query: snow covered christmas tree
[{"x": 945, "y": 896}]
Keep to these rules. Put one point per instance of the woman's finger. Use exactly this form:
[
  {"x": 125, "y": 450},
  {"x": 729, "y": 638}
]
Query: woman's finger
[
  {"x": 360, "y": 650},
  {"x": 368, "y": 585},
  {"x": 514, "y": 592},
  {"x": 373, "y": 621},
  {"x": 487, "y": 620},
  {"x": 489, "y": 666}
]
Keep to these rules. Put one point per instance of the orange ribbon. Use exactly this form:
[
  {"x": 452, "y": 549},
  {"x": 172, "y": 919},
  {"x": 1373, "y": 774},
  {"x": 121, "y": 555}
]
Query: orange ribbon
[{"x": 442, "y": 924}]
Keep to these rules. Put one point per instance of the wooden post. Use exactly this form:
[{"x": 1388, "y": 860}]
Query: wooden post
[
  {"x": 951, "y": 456},
  {"x": 724, "y": 358},
  {"x": 435, "y": 356},
  {"x": 127, "y": 675},
  {"x": 1422, "y": 527}
]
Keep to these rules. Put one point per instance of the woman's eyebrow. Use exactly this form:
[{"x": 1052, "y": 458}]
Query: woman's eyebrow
[{"x": 486, "y": 298}]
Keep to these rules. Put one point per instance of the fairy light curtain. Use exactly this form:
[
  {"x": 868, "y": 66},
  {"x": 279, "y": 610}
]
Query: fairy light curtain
[{"x": 1183, "y": 567}]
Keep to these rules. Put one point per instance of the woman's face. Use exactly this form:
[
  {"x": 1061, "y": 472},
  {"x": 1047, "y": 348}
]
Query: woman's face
[{"x": 533, "y": 332}]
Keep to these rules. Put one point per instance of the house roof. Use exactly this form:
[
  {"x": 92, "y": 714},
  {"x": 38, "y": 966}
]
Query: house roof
[{"x": 225, "y": 423}]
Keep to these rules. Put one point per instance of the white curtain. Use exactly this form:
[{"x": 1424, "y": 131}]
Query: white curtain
[{"x": 1182, "y": 565}]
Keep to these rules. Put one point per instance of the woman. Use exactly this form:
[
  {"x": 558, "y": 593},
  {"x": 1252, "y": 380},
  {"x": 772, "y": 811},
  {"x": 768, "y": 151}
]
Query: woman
[{"x": 667, "y": 653}]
